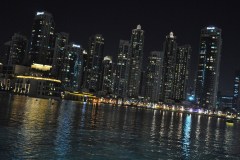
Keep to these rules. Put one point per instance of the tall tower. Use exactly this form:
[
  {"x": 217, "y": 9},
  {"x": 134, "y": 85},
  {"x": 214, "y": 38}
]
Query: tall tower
[
  {"x": 153, "y": 76},
  {"x": 107, "y": 75},
  {"x": 5, "y": 52},
  {"x": 169, "y": 63},
  {"x": 122, "y": 69},
  {"x": 94, "y": 63},
  {"x": 42, "y": 42},
  {"x": 71, "y": 70},
  {"x": 181, "y": 77},
  {"x": 236, "y": 90},
  {"x": 136, "y": 54},
  {"x": 208, "y": 67},
  {"x": 60, "y": 43},
  {"x": 18, "y": 49}
]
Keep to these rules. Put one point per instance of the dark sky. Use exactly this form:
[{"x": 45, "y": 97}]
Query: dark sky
[{"x": 115, "y": 20}]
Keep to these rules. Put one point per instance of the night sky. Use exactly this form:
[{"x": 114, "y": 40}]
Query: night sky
[{"x": 115, "y": 20}]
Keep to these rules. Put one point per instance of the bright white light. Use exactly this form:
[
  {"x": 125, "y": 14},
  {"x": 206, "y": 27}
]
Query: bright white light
[
  {"x": 40, "y": 13},
  {"x": 76, "y": 46},
  {"x": 210, "y": 28},
  {"x": 84, "y": 52},
  {"x": 190, "y": 110}
]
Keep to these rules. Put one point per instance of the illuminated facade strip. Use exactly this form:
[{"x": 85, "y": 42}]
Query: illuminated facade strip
[
  {"x": 81, "y": 94},
  {"x": 39, "y": 78}
]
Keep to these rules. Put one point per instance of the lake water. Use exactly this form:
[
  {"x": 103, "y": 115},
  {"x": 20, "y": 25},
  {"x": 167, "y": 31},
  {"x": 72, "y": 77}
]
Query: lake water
[{"x": 32, "y": 128}]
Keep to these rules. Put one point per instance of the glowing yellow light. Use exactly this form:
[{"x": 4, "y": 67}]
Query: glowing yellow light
[
  {"x": 41, "y": 67},
  {"x": 80, "y": 94},
  {"x": 39, "y": 78}
]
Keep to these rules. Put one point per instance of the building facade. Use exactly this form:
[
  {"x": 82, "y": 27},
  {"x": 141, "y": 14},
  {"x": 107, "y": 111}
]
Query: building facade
[
  {"x": 18, "y": 50},
  {"x": 122, "y": 69},
  {"x": 43, "y": 40},
  {"x": 236, "y": 90},
  {"x": 153, "y": 76},
  {"x": 5, "y": 52},
  {"x": 136, "y": 57},
  {"x": 71, "y": 70},
  {"x": 107, "y": 78},
  {"x": 60, "y": 43},
  {"x": 169, "y": 64},
  {"x": 181, "y": 77},
  {"x": 94, "y": 63},
  {"x": 208, "y": 67}
]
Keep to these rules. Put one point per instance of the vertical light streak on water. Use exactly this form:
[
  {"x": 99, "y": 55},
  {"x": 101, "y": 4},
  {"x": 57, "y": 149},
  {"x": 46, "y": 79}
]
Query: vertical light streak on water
[
  {"x": 82, "y": 124},
  {"x": 179, "y": 134},
  {"x": 153, "y": 126},
  {"x": 63, "y": 137},
  {"x": 186, "y": 136},
  {"x": 171, "y": 128},
  {"x": 125, "y": 118},
  {"x": 162, "y": 123},
  {"x": 208, "y": 130}
]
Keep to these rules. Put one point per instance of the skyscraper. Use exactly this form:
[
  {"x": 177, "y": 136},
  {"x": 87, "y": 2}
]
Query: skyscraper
[
  {"x": 71, "y": 70},
  {"x": 181, "y": 77},
  {"x": 42, "y": 42},
  {"x": 18, "y": 49},
  {"x": 236, "y": 90},
  {"x": 106, "y": 83},
  {"x": 208, "y": 67},
  {"x": 136, "y": 54},
  {"x": 5, "y": 52},
  {"x": 153, "y": 76},
  {"x": 60, "y": 43},
  {"x": 94, "y": 63},
  {"x": 169, "y": 63},
  {"x": 122, "y": 69}
]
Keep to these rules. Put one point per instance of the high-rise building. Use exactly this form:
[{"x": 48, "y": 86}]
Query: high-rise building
[
  {"x": 122, "y": 69},
  {"x": 71, "y": 70},
  {"x": 107, "y": 80},
  {"x": 153, "y": 76},
  {"x": 18, "y": 49},
  {"x": 181, "y": 77},
  {"x": 136, "y": 54},
  {"x": 94, "y": 63},
  {"x": 42, "y": 42},
  {"x": 84, "y": 73},
  {"x": 236, "y": 90},
  {"x": 168, "y": 71},
  {"x": 208, "y": 67},
  {"x": 5, "y": 52},
  {"x": 60, "y": 43}
]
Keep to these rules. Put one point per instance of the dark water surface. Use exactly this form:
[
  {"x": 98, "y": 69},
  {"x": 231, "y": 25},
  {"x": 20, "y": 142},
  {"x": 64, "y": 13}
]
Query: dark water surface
[{"x": 33, "y": 128}]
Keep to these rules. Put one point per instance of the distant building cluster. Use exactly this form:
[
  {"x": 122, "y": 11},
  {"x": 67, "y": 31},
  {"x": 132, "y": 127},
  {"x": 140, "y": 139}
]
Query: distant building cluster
[{"x": 49, "y": 64}]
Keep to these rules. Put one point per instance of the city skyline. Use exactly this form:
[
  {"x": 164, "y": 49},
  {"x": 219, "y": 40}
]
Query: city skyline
[{"x": 154, "y": 22}]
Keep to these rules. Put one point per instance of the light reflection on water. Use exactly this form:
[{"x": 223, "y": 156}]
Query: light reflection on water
[{"x": 33, "y": 128}]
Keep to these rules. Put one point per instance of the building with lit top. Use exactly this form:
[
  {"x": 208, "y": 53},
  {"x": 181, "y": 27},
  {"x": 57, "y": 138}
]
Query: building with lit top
[
  {"x": 153, "y": 76},
  {"x": 94, "y": 63},
  {"x": 208, "y": 67},
  {"x": 136, "y": 57},
  {"x": 168, "y": 70},
  {"x": 181, "y": 75},
  {"x": 122, "y": 69},
  {"x": 42, "y": 39},
  {"x": 71, "y": 69},
  {"x": 107, "y": 79}
]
